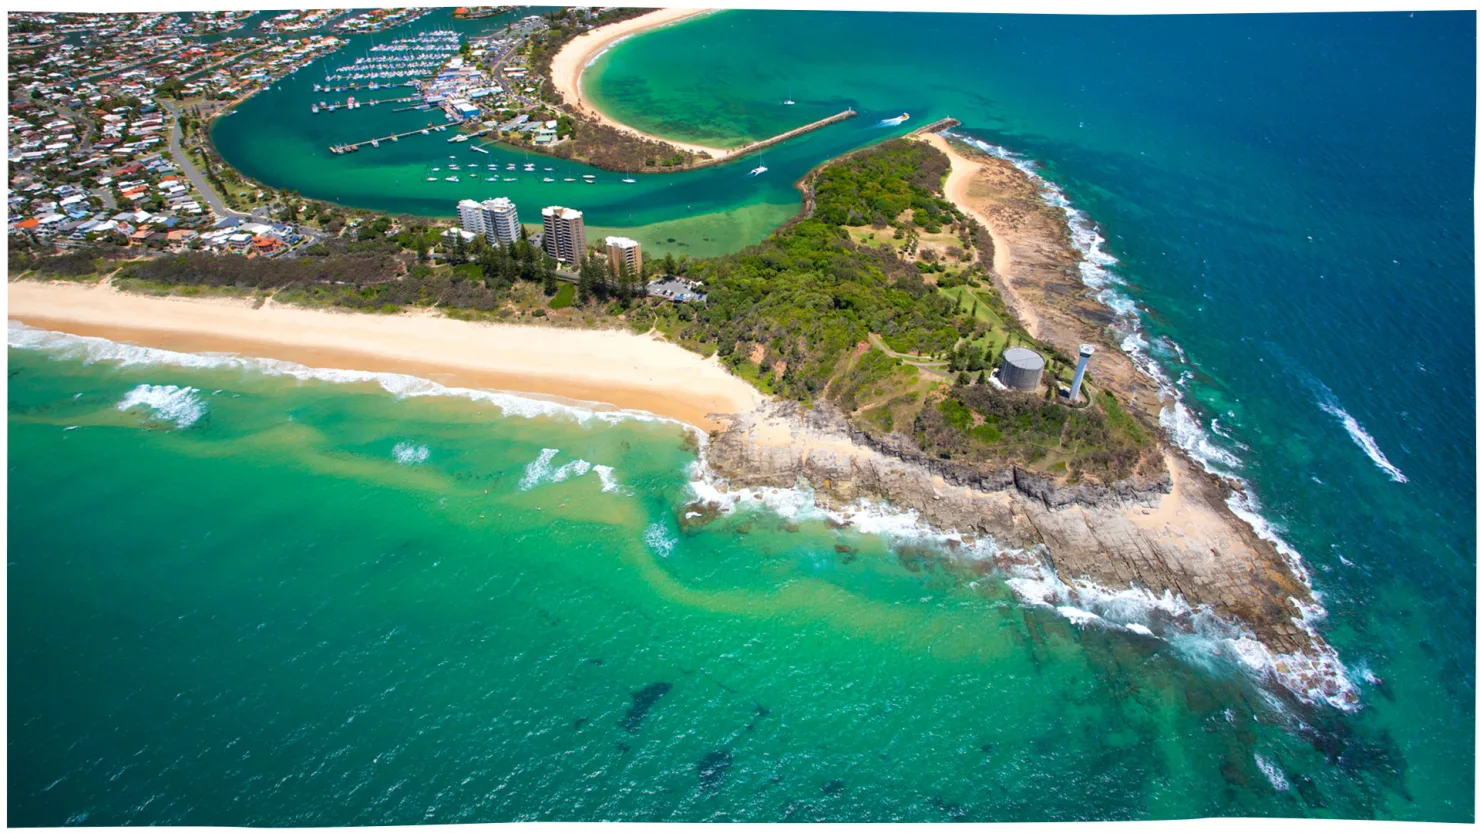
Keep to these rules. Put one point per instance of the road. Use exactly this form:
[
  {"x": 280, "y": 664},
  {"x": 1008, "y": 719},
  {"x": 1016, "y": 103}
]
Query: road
[
  {"x": 213, "y": 200},
  {"x": 192, "y": 173}
]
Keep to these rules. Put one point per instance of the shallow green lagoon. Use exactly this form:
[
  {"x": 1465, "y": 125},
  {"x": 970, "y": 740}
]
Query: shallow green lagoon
[{"x": 265, "y": 600}]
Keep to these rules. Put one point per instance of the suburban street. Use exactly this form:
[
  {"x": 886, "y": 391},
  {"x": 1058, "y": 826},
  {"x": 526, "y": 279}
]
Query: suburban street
[{"x": 203, "y": 187}]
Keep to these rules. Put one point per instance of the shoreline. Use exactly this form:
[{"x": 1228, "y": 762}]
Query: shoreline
[
  {"x": 1172, "y": 543},
  {"x": 1240, "y": 573},
  {"x": 608, "y": 367},
  {"x": 569, "y": 66}
]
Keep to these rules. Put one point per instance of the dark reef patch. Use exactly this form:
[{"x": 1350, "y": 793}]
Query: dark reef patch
[
  {"x": 712, "y": 769},
  {"x": 643, "y": 700}
]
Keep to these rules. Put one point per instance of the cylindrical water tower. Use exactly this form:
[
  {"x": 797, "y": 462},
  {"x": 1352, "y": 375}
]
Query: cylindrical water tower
[
  {"x": 1085, "y": 351},
  {"x": 1021, "y": 368}
]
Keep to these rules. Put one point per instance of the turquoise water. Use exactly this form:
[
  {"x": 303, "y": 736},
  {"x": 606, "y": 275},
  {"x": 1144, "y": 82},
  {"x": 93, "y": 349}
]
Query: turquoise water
[
  {"x": 274, "y": 137},
  {"x": 1289, "y": 200},
  {"x": 296, "y": 602},
  {"x": 1290, "y": 196}
]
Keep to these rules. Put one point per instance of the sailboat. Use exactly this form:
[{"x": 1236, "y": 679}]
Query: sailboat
[
  {"x": 760, "y": 169},
  {"x": 788, "y": 100}
]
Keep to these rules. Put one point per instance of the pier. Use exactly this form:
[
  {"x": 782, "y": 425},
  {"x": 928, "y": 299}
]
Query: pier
[
  {"x": 349, "y": 88},
  {"x": 351, "y": 147},
  {"x": 344, "y": 105}
]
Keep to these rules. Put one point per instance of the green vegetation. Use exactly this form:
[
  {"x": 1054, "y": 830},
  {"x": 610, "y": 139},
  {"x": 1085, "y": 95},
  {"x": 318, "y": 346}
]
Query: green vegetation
[
  {"x": 811, "y": 314},
  {"x": 795, "y": 313},
  {"x": 372, "y": 274},
  {"x": 84, "y": 264},
  {"x": 584, "y": 139},
  {"x": 981, "y": 424},
  {"x": 878, "y": 186}
]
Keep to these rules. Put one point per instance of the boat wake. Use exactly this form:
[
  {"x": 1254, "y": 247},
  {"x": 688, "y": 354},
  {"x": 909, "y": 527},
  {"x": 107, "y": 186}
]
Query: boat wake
[
  {"x": 1328, "y": 402},
  {"x": 894, "y": 122}
]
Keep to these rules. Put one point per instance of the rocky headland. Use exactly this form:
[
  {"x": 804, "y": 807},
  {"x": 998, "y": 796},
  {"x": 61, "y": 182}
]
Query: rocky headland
[{"x": 1171, "y": 539}]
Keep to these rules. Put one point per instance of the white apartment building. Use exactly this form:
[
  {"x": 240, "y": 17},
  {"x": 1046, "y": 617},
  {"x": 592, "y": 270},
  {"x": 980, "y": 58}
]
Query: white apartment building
[{"x": 565, "y": 234}]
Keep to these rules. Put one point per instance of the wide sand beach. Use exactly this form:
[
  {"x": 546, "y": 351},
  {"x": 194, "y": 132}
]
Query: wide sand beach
[
  {"x": 636, "y": 372},
  {"x": 568, "y": 65}
]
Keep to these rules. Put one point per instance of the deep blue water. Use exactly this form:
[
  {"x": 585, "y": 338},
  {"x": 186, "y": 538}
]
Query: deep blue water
[{"x": 1292, "y": 198}]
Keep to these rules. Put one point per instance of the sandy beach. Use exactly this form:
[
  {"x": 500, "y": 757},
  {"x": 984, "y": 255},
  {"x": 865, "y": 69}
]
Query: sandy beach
[
  {"x": 958, "y": 191},
  {"x": 606, "y": 366},
  {"x": 573, "y": 58}
]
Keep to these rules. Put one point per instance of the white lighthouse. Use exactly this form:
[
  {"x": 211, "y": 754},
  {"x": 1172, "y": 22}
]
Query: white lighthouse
[{"x": 1085, "y": 351}]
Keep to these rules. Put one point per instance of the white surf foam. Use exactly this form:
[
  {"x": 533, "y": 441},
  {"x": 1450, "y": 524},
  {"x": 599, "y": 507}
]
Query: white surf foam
[
  {"x": 1182, "y": 426},
  {"x": 608, "y": 478},
  {"x": 90, "y": 349},
  {"x": 659, "y": 539},
  {"x": 574, "y": 468},
  {"x": 1197, "y": 633},
  {"x": 167, "y": 403},
  {"x": 410, "y": 454},
  {"x": 538, "y": 469},
  {"x": 1276, "y": 777},
  {"x": 538, "y": 472}
]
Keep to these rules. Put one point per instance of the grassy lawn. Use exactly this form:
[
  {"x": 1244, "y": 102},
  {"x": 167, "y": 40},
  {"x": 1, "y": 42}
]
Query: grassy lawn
[
  {"x": 874, "y": 238},
  {"x": 996, "y": 337}
]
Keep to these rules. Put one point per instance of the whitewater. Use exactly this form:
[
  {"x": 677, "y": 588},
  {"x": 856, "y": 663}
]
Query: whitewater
[{"x": 1027, "y": 573}]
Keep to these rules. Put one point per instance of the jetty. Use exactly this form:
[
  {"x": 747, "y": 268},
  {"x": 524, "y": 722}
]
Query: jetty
[
  {"x": 343, "y": 88},
  {"x": 344, "y": 105},
  {"x": 351, "y": 147},
  {"x": 934, "y": 127},
  {"x": 753, "y": 147}
]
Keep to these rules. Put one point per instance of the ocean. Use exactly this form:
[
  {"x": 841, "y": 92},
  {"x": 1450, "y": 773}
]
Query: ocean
[{"x": 249, "y": 594}]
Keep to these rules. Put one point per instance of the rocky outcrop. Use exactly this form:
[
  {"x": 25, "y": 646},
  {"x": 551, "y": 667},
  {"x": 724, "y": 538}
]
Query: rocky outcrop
[{"x": 1172, "y": 534}]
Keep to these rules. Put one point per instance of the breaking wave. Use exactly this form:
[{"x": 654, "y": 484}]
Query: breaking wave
[
  {"x": 659, "y": 539},
  {"x": 90, "y": 349},
  {"x": 409, "y": 454},
  {"x": 1184, "y": 429},
  {"x": 539, "y": 472},
  {"x": 167, "y": 403},
  {"x": 1276, "y": 777},
  {"x": 1359, "y": 435},
  {"x": 1195, "y": 632}
]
